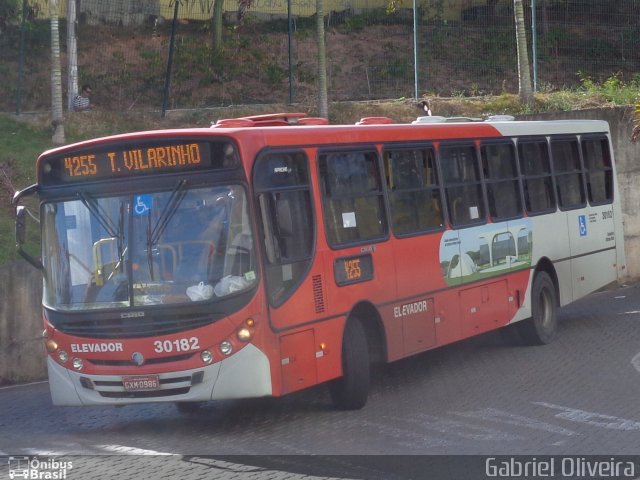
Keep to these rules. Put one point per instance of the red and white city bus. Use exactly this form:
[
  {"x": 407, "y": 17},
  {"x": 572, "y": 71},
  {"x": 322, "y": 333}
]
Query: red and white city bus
[{"x": 271, "y": 253}]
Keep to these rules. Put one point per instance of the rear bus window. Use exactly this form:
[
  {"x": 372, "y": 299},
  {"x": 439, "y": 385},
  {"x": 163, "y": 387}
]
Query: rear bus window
[
  {"x": 536, "y": 171},
  {"x": 413, "y": 190},
  {"x": 463, "y": 188},
  {"x": 353, "y": 199},
  {"x": 597, "y": 161},
  {"x": 501, "y": 177},
  {"x": 568, "y": 173}
]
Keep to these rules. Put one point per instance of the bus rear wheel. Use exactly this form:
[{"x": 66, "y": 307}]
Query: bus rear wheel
[
  {"x": 541, "y": 328},
  {"x": 350, "y": 391}
]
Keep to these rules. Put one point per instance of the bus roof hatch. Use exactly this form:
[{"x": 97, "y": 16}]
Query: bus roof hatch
[{"x": 270, "y": 120}]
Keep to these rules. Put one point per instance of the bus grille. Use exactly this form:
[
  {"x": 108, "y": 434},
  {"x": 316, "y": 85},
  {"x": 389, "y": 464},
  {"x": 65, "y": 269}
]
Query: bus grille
[
  {"x": 150, "y": 325},
  {"x": 170, "y": 386},
  {"x": 148, "y": 361},
  {"x": 146, "y": 394}
]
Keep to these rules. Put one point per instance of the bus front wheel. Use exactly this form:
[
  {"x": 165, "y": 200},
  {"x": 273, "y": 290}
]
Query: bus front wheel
[
  {"x": 541, "y": 328},
  {"x": 350, "y": 391}
]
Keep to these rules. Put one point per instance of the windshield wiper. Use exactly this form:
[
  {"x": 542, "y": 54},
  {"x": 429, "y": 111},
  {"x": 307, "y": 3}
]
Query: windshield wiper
[
  {"x": 153, "y": 236},
  {"x": 169, "y": 210},
  {"x": 149, "y": 247},
  {"x": 116, "y": 232},
  {"x": 120, "y": 241},
  {"x": 112, "y": 230},
  {"x": 98, "y": 212}
]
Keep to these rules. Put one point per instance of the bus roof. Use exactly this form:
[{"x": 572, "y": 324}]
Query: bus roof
[{"x": 293, "y": 129}]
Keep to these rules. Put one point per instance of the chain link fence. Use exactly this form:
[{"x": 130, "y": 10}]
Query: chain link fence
[{"x": 437, "y": 47}]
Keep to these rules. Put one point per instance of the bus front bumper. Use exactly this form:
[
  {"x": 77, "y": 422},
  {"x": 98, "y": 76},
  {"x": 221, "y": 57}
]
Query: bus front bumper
[{"x": 245, "y": 374}]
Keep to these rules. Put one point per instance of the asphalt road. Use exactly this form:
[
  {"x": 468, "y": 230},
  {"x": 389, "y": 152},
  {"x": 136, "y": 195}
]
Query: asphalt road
[{"x": 484, "y": 397}]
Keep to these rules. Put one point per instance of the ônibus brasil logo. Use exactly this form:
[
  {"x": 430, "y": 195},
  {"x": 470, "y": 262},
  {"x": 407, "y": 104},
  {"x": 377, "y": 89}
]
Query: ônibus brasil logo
[{"x": 38, "y": 469}]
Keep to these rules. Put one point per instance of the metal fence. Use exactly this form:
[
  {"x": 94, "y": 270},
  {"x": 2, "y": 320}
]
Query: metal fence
[{"x": 439, "y": 47}]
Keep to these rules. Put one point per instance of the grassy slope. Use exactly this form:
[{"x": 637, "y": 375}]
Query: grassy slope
[
  {"x": 21, "y": 145},
  {"x": 23, "y": 141}
]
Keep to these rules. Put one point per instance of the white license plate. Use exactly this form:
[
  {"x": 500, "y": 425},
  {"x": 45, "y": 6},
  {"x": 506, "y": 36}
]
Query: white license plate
[{"x": 141, "y": 382}]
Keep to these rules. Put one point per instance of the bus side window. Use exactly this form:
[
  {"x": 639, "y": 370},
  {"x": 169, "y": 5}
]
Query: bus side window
[
  {"x": 501, "y": 175},
  {"x": 413, "y": 190},
  {"x": 463, "y": 189},
  {"x": 536, "y": 171},
  {"x": 568, "y": 173},
  {"x": 597, "y": 161},
  {"x": 281, "y": 181},
  {"x": 352, "y": 197}
]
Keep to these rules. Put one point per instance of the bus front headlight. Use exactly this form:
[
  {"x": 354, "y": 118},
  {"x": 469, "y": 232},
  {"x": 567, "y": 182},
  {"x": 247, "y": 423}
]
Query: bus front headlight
[
  {"x": 226, "y": 348},
  {"x": 51, "y": 345},
  {"x": 62, "y": 356},
  {"x": 244, "y": 334},
  {"x": 206, "y": 356}
]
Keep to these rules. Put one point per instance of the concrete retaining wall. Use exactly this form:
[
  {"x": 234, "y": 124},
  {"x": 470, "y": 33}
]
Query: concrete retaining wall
[{"x": 22, "y": 355}]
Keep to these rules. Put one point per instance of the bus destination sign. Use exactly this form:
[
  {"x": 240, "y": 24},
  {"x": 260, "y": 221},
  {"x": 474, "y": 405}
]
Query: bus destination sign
[{"x": 125, "y": 162}]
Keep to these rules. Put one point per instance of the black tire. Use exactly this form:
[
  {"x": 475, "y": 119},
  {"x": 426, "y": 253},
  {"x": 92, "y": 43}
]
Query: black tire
[
  {"x": 188, "y": 408},
  {"x": 350, "y": 391},
  {"x": 542, "y": 327}
]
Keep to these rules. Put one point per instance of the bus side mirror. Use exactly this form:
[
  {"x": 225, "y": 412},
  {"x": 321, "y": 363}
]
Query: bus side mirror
[
  {"x": 21, "y": 214},
  {"x": 21, "y": 234}
]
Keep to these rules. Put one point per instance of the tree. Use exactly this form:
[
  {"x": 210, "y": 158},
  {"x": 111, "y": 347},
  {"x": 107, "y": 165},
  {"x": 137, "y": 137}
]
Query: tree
[
  {"x": 216, "y": 26},
  {"x": 636, "y": 123},
  {"x": 323, "y": 110},
  {"x": 525, "y": 92},
  {"x": 72, "y": 54},
  {"x": 57, "y": 116}
]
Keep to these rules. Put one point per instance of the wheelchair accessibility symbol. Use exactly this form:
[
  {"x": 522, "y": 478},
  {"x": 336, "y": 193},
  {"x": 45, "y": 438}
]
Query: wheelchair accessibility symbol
[
  {"x": 582, "y": 225},
  {"x": 142, "y": 205}
]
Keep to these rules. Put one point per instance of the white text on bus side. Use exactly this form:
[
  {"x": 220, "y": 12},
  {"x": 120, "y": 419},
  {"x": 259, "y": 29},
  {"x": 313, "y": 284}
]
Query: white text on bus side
[
  {"x": 410, "y": 309},
  {"x": 96, "y": 347}
]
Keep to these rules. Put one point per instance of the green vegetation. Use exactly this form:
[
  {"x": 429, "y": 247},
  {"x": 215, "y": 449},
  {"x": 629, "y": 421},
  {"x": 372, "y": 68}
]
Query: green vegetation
[
  {"x": 589, "y": 94},
  {"x": 612, "y": 90},
  {"x": 461, "y": 52},
  {"x": 22, "y": 144},
  {"x": 23, "y": 140}
]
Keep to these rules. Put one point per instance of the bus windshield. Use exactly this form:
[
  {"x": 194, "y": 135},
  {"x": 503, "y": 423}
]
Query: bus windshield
[{"x": 170, "y": 247}]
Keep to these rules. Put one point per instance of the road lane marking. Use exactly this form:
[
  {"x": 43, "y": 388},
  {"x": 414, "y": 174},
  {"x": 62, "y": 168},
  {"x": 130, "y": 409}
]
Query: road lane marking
[
  {"x": 495, "y": 415},
  {"x": 404, "y": 436},
  {"x": 592, "y": 418},
  {"x": 635, "y": 361},
  {"x": 466, "y": 430},
  {"x": 8, "y": 387},
  {"x": 44, "y": 452},
  {"x": 124, "y": 450}
]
